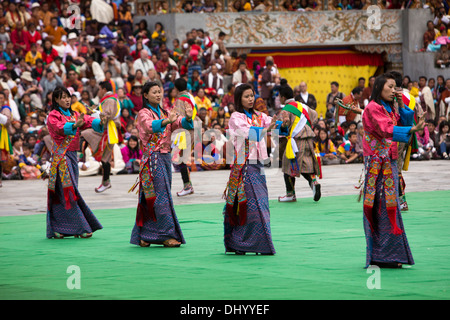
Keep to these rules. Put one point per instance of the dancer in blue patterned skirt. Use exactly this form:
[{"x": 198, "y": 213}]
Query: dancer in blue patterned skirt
[
  {"x": 67, "y": 213},
  {"x": 246, "y": 212}
]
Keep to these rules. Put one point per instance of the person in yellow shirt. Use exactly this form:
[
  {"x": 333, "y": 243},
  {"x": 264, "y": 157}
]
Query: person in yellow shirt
[
  {"x": 77, "y": 105},
  {"x": 325, "y": 148},
  {"x": 203, "y": 101},
  {"x": 33, "y": 55}
]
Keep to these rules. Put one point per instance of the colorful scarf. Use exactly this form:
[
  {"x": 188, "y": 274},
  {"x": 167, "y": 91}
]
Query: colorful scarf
[
  {"x": 111, "y": 132},
  {"x": 5, "y": 141},
  {"x": 145, "y": 179},
  {"x": 180, "y": 138},
  {"x": 59, "y": 163},
  {"x": 301, "y": 119},
  {"x": 235, "y": 187}
]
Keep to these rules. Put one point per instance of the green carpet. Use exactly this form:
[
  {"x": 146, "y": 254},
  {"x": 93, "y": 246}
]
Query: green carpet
[{"x": 320, "y": 255}]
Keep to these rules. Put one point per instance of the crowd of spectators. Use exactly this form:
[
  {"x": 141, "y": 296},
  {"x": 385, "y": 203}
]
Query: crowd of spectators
[{"x": 41, "y": 49}]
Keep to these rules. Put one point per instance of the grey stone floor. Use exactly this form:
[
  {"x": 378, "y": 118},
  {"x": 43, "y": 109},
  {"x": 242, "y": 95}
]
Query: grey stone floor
[{"x": 29, "y": 197}]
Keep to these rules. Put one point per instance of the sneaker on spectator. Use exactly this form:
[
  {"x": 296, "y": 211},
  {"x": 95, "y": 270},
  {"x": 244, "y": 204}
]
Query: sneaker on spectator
[
  {"x": 185, "y": 192},
  {"x": 102, "y": 188},
  {"x": 287, "y": 198}
]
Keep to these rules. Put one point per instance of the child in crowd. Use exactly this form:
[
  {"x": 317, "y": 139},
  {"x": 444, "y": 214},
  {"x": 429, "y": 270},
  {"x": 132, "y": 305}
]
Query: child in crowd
[
  {"x": 444, "y": 139},
  {"x": 325, "y": 148},
  {"x": 347, "y": 150},
  {"x": 132, "y": 155}
]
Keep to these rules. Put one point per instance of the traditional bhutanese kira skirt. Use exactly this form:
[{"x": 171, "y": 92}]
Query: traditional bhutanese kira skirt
[
  {"x": 78, "y": 218},
  {"x": 255, "y": 235},
  {"x": 166, "y": 225},
  {"x": 382, "y": 245}
]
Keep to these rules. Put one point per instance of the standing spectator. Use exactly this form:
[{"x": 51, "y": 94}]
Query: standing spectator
[
  {"x": 444, "y": 101},
  {"x": 367, "y": 91},
  {"x": 267, "y": 84},
  {"x": 305, "y": 97},
  {"x": 426, "y": 98},
  {"x": 331, "y": 100}
]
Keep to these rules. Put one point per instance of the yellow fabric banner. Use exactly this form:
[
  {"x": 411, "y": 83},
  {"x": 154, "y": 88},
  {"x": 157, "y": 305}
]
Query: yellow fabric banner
[{"x": 318, "y": 80}]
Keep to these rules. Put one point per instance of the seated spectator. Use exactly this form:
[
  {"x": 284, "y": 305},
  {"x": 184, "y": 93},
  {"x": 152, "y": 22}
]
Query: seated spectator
[
  {"x": 203, "y": 101},
  {"x": 351, "y": 128},
  {"x": 229, "y": 96},
  {"x": 203, "y": 116},
  {"x": 425, "y": 145},
  {"x": 344, "y": 5},
  {"x": 87, "y": 101},
  {"x": 33, "y": 55},
  {"x": 19, "y": 38},
  {"x": 57, "y": 35},
  {"x": 92, "y": 69},
  {"x": 30, "y": 86},
  {"x": 29, "y": 167},
  {"x": 443, "y": 57},
  {"x": 132, "y": 155},
  {"x": 214, "y": 81},
  {"x": 347, "y": 151},
  {"x": 72, "y": 81},
  {"x": 158, "y": 36},
  {"x": 143, "y": 63},
  {"x": 108, "y": 37},
  {"x": 430, "y": 35},
  {"x": 125, "y": 118},
  {"x": 136, "y": 97},
  {"x": 209, "y": 156},
  {"x": 48, "y": 53},
  {"x": 443, "y": 147},
  {"x": 441, "y": 40},
  {"x": 325, "y": 148},
  {"x": 360, "y": 135},
  {"x": 194, "y": 83},
  {"x": 76, "y": 104},
  {"x": 242, "y": 75}
]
